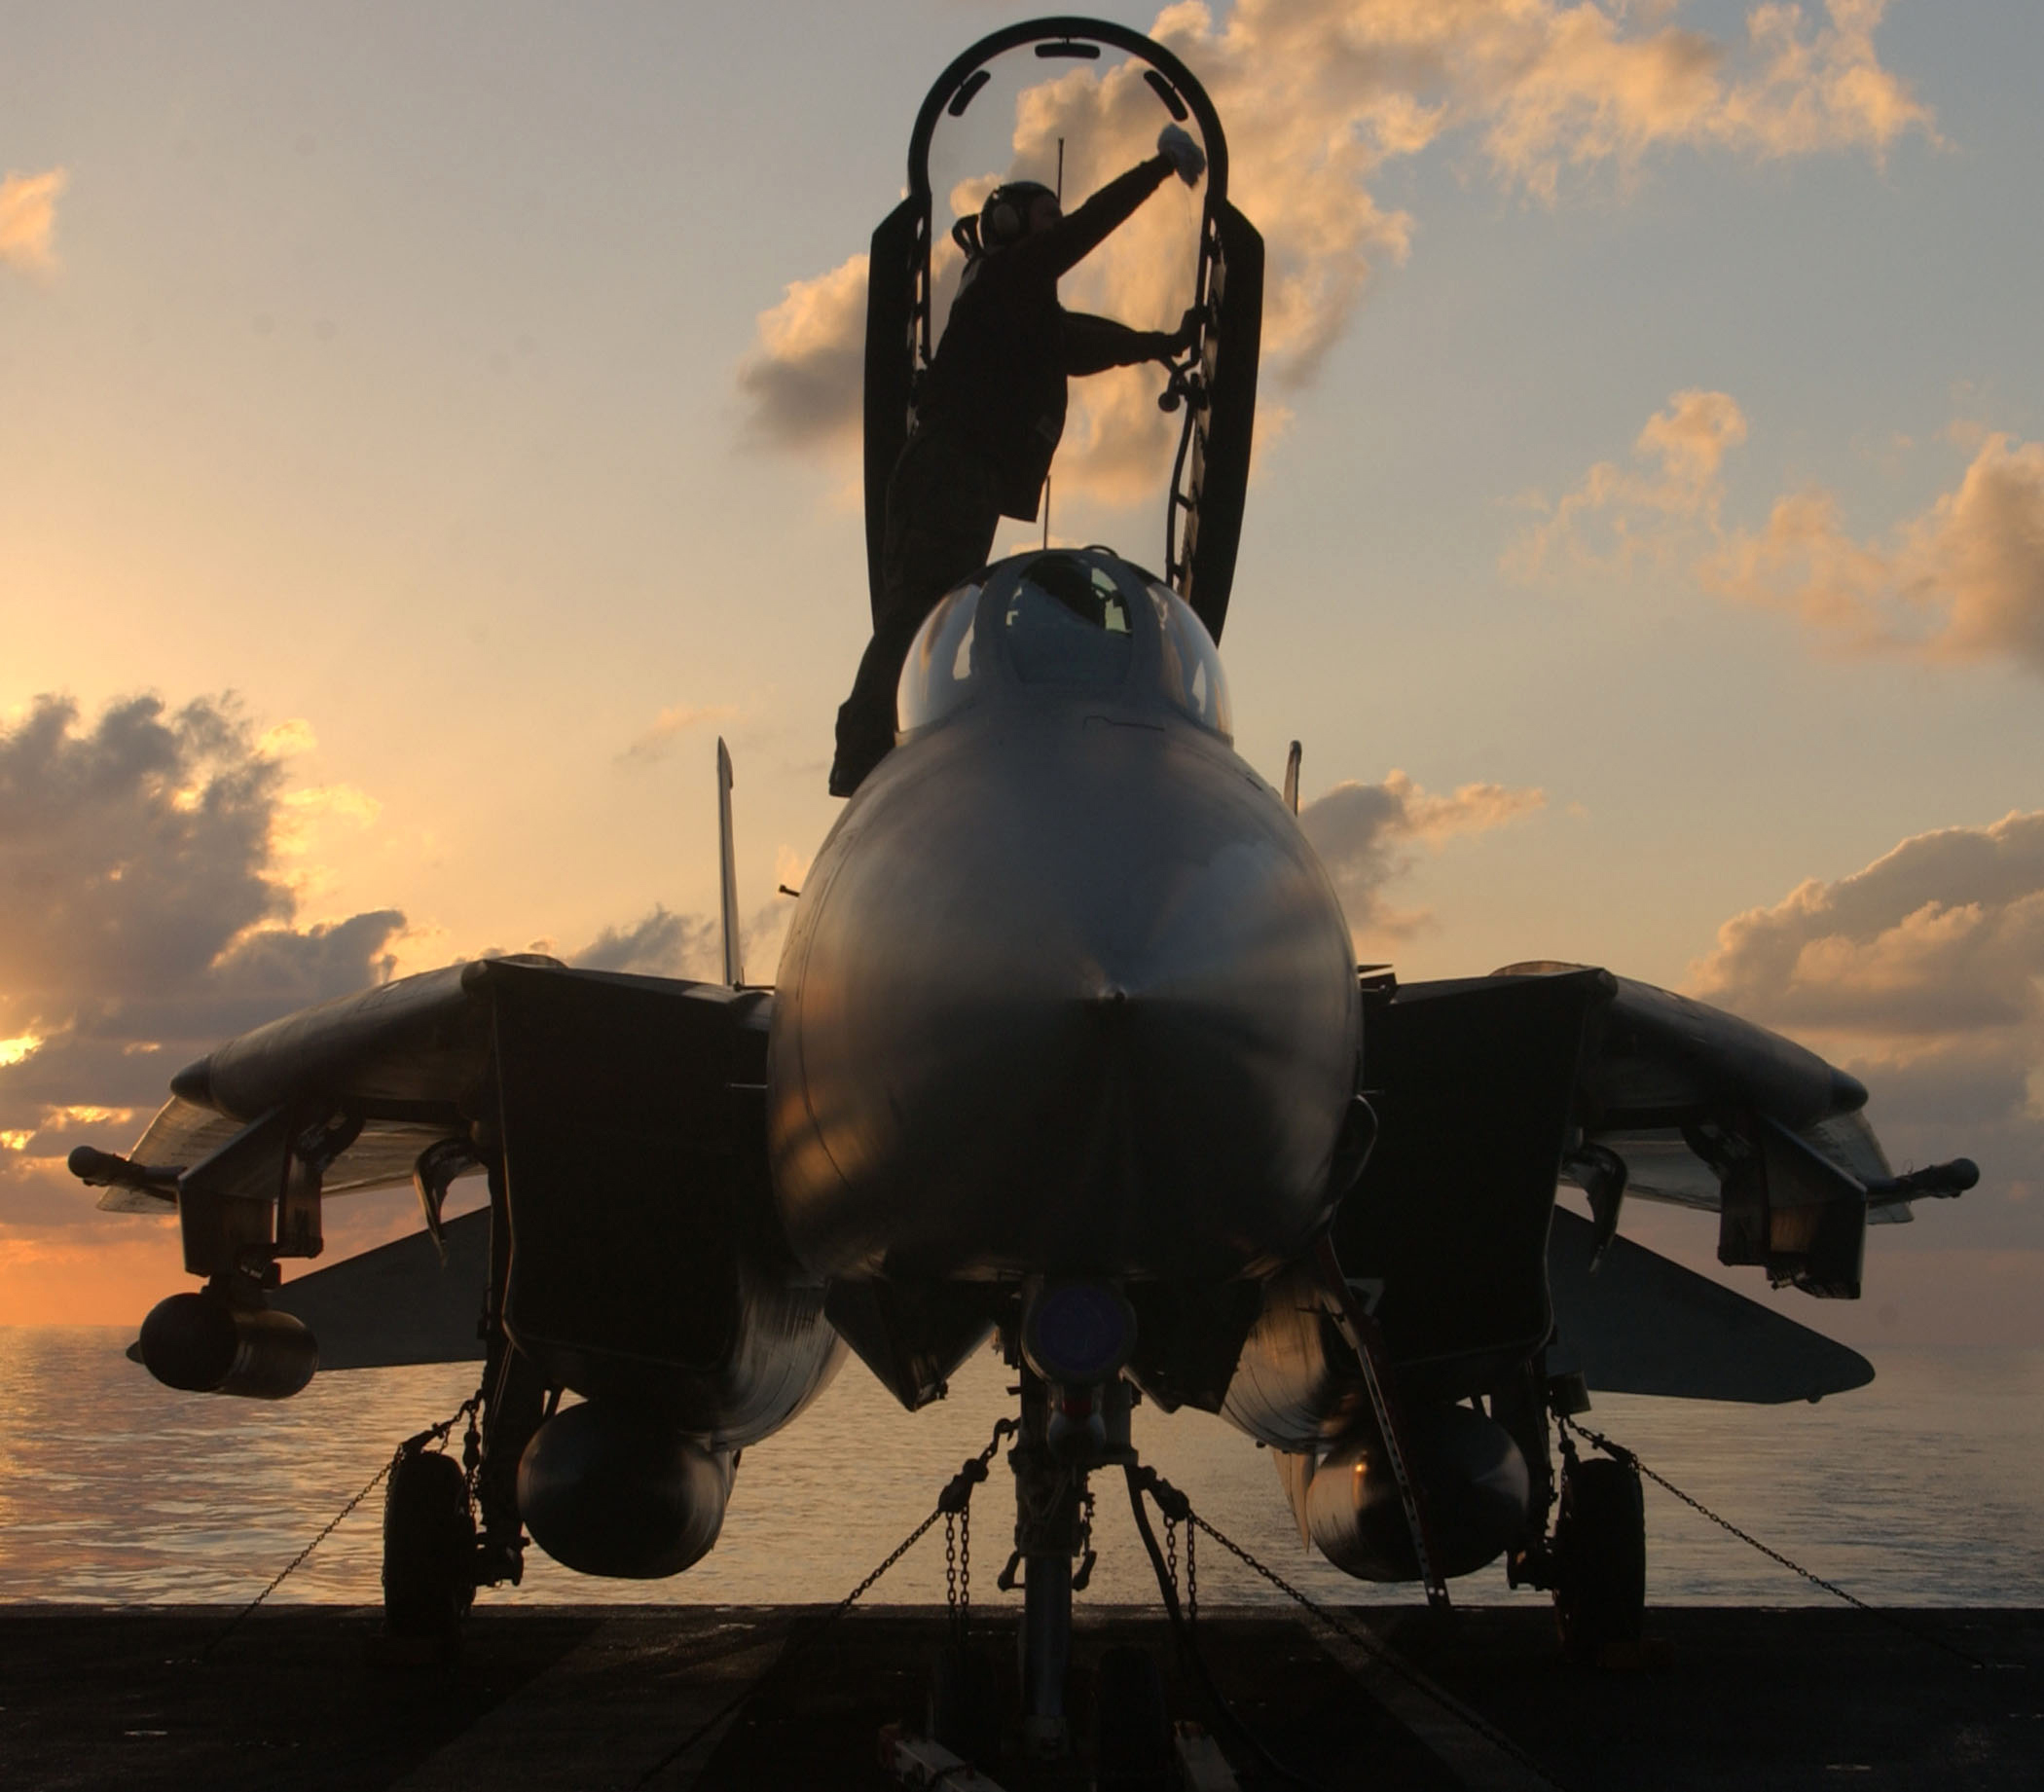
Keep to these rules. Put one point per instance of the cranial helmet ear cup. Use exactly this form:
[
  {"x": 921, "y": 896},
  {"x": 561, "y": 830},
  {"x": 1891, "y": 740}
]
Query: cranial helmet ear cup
[{"x": 1003, "y": 218}]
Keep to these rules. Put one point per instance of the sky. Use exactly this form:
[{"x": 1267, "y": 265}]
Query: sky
[{"x": 425, "y": 430}]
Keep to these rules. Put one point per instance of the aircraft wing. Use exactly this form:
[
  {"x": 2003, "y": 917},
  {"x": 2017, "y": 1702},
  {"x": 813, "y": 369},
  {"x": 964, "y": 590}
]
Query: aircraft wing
[
  {"x": 407, "y": 1063},
  {"x": 622, "y": 1122},
  {"x": 395, "y": 1070},
  {"x": 184, "y": 1133},
  {"x": 1489, "y": 1091},
  {"x": 1683, "y": 1103}
]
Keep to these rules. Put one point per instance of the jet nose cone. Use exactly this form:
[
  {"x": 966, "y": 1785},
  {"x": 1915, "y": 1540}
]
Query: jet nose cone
[{"x": 1097, "y": 1023}]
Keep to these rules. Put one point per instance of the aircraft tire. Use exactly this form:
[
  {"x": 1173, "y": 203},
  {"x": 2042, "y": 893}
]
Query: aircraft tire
[
  {"x": 1600, "y": 1556},
  {"x": 429, "y": 1546},
  {"x": 964, "y": 1703},
  {"x": 1131, "y": 1724}
]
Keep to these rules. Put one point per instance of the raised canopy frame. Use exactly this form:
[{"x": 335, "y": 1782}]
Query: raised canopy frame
[{"x": 1210, "y": 474}]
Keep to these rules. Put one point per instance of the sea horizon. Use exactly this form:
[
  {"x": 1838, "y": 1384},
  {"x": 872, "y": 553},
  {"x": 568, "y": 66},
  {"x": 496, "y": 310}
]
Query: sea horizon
[{"x": 1924, "y": 1488}]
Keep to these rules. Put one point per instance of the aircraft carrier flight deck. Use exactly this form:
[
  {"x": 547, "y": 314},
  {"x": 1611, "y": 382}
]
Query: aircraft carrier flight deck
[{"x": 592, "y": 1698}]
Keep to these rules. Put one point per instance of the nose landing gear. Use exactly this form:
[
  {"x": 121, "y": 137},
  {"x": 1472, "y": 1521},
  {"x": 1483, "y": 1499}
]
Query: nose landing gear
[{"x": 1066, "y": 1433}]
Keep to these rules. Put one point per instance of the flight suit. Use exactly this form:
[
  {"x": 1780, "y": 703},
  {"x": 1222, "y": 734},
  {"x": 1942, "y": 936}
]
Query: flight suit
[{"x": 990, "y": 417}]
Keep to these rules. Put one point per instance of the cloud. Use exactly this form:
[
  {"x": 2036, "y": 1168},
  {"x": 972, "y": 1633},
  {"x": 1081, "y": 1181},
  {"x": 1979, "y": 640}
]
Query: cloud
[
  {"x": 302, "y": 815},
  {"x": 1674, "y": 484},
  {"x": 1922, "y": 972},
  {"x": 661, "y": 944},
  {"x": 142, "y": 919},
  {"x": 656, "y": 742},
  {"x": 1365, "y": 835},
  {"x": 287, "y": 739},
  {"x": 1964, "y": 580},
  {"x": 149, "y": 900},
  {"x": 1943, "y": 935},
  {"x": 1319, "y": 97},
  {"x": 1565, "y": 86},
  {"x": 805, "y": 379},
  {"x": 28, "y": 220}
]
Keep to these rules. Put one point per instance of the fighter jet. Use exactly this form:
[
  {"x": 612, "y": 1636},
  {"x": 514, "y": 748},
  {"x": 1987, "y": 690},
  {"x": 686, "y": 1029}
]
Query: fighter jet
[{"x": 1068, "y": 1046}]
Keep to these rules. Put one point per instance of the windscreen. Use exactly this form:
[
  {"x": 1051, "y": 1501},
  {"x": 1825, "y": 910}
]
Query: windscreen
[{"x": 1067, "y": 622}]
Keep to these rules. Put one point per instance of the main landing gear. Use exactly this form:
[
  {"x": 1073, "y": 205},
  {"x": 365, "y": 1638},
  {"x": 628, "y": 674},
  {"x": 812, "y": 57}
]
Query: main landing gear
[
  {"x": 429, "y": 1546},
  {"x": 451, "y": 1526},
  {"x": 1595, "y": 1561},
  {"x": 1598, "y": 1555}
]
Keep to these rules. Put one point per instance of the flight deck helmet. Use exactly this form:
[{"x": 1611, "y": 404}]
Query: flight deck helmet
[{"x": 1004, "y": 217}]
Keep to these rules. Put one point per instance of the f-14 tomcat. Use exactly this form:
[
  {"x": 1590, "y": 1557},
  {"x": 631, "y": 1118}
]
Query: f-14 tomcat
[{"x": 1067, "y": 1044}]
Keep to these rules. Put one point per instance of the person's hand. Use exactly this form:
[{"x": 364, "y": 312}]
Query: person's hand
[
  {"x": 1184, "y": 155},
  {"x": 1188, "y": 336}
]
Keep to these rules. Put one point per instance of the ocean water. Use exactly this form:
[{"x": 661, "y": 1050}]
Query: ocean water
[{"x": 1925, "y": 1488}]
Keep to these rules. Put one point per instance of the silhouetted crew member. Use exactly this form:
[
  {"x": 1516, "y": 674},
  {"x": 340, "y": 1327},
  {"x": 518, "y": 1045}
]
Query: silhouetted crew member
[{"x": 990, "y": 413}]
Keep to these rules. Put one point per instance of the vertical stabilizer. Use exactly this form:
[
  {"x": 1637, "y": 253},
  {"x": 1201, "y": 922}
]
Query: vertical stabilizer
[
  {"x": 1291, "y": 760},
  {"x": 727, "y": 867}
]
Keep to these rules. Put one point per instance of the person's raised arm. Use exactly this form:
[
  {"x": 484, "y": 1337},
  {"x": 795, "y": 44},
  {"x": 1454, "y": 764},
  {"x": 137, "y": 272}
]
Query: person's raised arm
[{"x": 1071, "y": 239}]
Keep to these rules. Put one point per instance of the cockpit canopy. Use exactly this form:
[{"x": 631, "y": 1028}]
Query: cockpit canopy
[{"x": 1078, "y": 620}]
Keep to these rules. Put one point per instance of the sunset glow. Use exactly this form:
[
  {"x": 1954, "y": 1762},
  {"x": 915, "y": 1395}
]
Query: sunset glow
[{"x": 423, "y": 434}]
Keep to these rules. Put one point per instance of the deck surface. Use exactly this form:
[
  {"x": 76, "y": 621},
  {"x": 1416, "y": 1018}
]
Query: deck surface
[{"x": 587, "y": 1696}]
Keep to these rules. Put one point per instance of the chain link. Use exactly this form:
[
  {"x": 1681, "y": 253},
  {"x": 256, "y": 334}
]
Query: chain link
[
  {"x": 955, "y": 1501},
  {"x": 965, "y": 1567},
  {"x": 1192, "y": 1576},
  {"x": 433, "y": 1433},
  {"x": 1618, "y": 1453},
  {"x": 865, "y": 1586},
  {"x": 789, "y": 1654},
  {"x": 1378, "y": 1653}
]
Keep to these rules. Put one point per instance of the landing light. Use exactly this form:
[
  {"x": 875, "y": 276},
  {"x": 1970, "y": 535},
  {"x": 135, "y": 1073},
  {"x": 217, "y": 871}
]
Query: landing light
[{"x": 1077, "y": 1334}]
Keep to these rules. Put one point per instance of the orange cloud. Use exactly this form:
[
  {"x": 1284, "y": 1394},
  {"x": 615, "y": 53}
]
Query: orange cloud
[
  {"x": 1619, "y": 512},
  {"x": 141, "y": 852},
  {"x": 1943, "y": 935},
  {"x": 805, "y": 378},
  {"x": 1925, "y": 973},
  {"x": 1964, "y": 580},
  {"x": 1365, "y": 833},
  {"x": 28, "y": 220}
]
